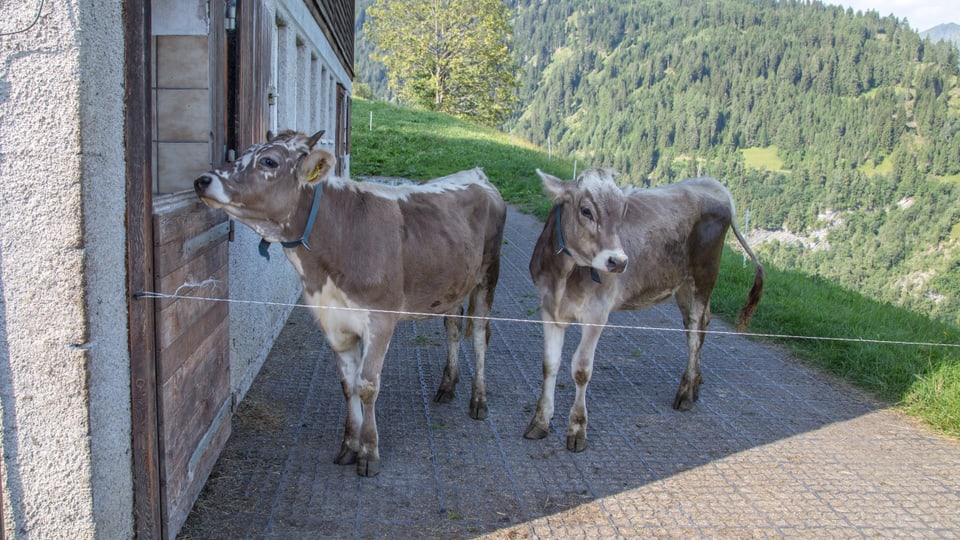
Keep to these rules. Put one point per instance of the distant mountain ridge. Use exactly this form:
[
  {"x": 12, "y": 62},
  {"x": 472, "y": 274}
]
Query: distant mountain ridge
[
  {"x": 944, "y": 32},
  {"x": 852, "y": 115}
]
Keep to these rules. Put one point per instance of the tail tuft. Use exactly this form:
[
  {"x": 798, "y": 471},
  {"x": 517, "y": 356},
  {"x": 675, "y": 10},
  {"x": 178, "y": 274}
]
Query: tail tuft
[{"x": 756, "y": 292}]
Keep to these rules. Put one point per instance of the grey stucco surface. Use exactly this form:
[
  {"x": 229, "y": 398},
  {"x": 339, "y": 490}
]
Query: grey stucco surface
[{"x": 64, "y": 364}]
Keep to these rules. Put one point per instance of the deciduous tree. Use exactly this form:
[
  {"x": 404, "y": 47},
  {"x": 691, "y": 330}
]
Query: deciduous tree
[{"x": 451, "y": 56}]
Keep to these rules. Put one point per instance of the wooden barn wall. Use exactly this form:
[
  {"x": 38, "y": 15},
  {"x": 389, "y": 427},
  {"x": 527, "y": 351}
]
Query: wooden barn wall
[{"x": 336, "y": 19}]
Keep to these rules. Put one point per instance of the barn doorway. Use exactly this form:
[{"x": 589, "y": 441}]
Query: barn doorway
[
  {"x": 185, "y": 79},
  {"x": 205, "y": 79}
]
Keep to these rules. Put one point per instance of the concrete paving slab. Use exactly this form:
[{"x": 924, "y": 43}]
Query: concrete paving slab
[{"x": 772, "y": 449}]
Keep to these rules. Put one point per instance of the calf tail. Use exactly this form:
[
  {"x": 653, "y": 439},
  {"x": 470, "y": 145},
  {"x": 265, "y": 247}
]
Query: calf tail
[{"x": 750, "y": 307}]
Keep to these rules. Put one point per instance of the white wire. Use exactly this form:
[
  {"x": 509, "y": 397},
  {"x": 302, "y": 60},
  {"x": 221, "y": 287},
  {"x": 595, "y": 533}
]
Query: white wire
[{"x": 156, "y": 295}]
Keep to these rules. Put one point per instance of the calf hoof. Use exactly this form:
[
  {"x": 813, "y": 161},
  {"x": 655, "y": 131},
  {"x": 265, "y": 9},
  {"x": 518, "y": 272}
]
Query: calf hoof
[
  {"x": 682, "y": 403},
  {"x": 535, "y": 432},
  {"x": 345, "y": 457},
  {"x": 368, "y": 467},
  {"x": 577, "y": 442},
  {"x": 687, "y": 394},
  {"x": 478, "y": 410},
  {"x": 685, "y": 400},
  {"x": 444, "y": 395}
]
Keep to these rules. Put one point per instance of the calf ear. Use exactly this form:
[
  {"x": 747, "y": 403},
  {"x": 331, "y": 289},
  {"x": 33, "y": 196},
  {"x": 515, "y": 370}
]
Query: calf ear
[
  {"x": 555, "y": 187},
  {"x": 315, "y": 166}
]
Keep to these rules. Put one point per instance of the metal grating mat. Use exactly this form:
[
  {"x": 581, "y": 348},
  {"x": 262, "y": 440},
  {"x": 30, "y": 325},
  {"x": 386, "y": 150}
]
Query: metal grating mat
[{"x": 772, "y": 448}]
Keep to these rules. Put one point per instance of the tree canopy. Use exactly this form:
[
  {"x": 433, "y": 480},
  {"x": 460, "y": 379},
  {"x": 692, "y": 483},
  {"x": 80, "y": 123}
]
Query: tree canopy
[{"x": 451, "y": 56}]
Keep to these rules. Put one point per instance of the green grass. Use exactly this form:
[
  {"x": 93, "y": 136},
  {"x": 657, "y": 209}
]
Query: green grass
[
  {"x": 884, "y": 167},
  {"x": 924, "y": 381},
  {"x": 763, "y": 159},
  {"x": 421, "y": 145}
]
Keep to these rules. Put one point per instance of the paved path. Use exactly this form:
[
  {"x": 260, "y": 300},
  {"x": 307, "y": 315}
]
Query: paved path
[{"x": 772, "y": 448}]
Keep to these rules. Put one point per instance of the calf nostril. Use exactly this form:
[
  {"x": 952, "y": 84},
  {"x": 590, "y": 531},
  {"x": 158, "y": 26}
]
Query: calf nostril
[
  {"x": 616, "y": 264},
  {"x": 201, "y": 183}
]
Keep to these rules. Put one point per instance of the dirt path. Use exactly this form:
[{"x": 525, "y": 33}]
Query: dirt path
[{"x": 772, "y": 448}]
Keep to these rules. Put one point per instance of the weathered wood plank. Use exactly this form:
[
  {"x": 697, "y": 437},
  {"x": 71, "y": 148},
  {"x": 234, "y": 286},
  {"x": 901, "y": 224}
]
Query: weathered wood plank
[
  {"x": 180, "y": 317},
  {"x": 173, "y": 255},
  {"x": 206, "y": 459},
  {"x": 190, "y": 402},
  {"x": 186, "y": 280},
  {"x": 147, "y": 508},
  {"x": 172, "y": 357},
  {"x": 182, "y": 215}
]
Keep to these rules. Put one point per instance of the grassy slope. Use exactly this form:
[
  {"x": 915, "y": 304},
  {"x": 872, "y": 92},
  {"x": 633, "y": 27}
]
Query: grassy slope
[
  {"x": 923, "y": 380},
  {"x": 420, "y": 145}
]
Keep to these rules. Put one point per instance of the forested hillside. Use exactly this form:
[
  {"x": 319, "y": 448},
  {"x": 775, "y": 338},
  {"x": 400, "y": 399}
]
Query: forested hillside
[{"x": 837, "y": 130}]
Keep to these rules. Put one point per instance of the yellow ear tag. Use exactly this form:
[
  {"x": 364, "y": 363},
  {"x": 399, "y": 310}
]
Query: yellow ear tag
[{"x": 314, "y": 173}]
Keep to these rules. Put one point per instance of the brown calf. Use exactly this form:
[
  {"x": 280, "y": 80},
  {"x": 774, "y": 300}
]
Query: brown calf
[
  {"x": 370, "y": 255},
  {"x": 604, "y": 248}
]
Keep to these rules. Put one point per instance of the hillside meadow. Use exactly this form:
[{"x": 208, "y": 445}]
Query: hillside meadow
[{"x": 858, "y": 334}]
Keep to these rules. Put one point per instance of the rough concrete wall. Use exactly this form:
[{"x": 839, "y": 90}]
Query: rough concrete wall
[
  {"x": 306, "y": 106},
  {"x": 65, "y": 451},
  {"x": 254, "y": 327},
  {"x": 104, "y": 236}
]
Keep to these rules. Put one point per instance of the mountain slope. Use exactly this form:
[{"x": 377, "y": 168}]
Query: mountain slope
[
  {"x": 944, "y": 32},
  {"x": 856, "y": 117}
]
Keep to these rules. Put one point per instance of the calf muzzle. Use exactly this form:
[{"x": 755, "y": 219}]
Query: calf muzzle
[
  {"x": 200, "y": 184},
  {"x": 616, "y": 265}
]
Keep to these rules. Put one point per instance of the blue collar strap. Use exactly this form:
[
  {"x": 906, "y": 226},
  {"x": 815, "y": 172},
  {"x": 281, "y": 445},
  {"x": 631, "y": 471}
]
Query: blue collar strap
[
  {"x": 562, "y": 246},
  {"x": 264, "y": 246}
]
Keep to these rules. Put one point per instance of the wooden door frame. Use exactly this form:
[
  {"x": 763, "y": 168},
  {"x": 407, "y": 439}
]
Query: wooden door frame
[{"x": 148, "y": 522}]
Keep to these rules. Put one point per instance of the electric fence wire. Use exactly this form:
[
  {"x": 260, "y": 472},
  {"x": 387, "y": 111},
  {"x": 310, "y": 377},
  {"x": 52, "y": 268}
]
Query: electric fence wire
[{"x": 177, "y": 295}]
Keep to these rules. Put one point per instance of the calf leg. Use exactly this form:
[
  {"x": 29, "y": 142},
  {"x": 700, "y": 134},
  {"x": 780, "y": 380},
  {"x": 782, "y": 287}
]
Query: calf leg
[
  {"x": 481, "y": 302},
  {"x": 582, "y": 369},
  {"x": 348, "y": 365},
  {"x": 453, "y": 324},
  {"x": 696, "y": 317},
  {"x": 375, "y": 349},
  {"x": 360, "y": 380},
  {"x": 552, "y": 347}
]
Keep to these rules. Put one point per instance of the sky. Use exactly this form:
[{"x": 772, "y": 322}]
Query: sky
[{"x": 922, "y": 14}]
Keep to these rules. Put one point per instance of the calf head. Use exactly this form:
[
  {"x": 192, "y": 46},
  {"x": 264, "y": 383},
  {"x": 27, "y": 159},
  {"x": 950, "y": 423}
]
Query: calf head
[
  {"x": 590, "y": 210},
  {"x": 262, "y": 187}
]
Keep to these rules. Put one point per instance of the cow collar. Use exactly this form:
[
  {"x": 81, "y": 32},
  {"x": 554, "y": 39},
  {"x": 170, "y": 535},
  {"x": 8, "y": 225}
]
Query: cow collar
[
  {"x": 562, "y": 246},
  {"x": 264, "y": 246}
]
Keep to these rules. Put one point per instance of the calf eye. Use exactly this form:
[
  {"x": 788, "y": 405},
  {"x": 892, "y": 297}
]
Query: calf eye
[
  {"x": 586, "y": 213},
  {"x": 269, "y": 163}
]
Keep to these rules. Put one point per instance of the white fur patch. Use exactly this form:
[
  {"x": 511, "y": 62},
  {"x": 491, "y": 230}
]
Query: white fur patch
[
  {"x": 454, "y": 182},
  {"x": 215, "y": 191},
  {"x": 342, "y": 320},
  {"x": 247, "y": 158},
  {"x": 600, "y": 261},
  {"x": 295, "y": 261}
]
